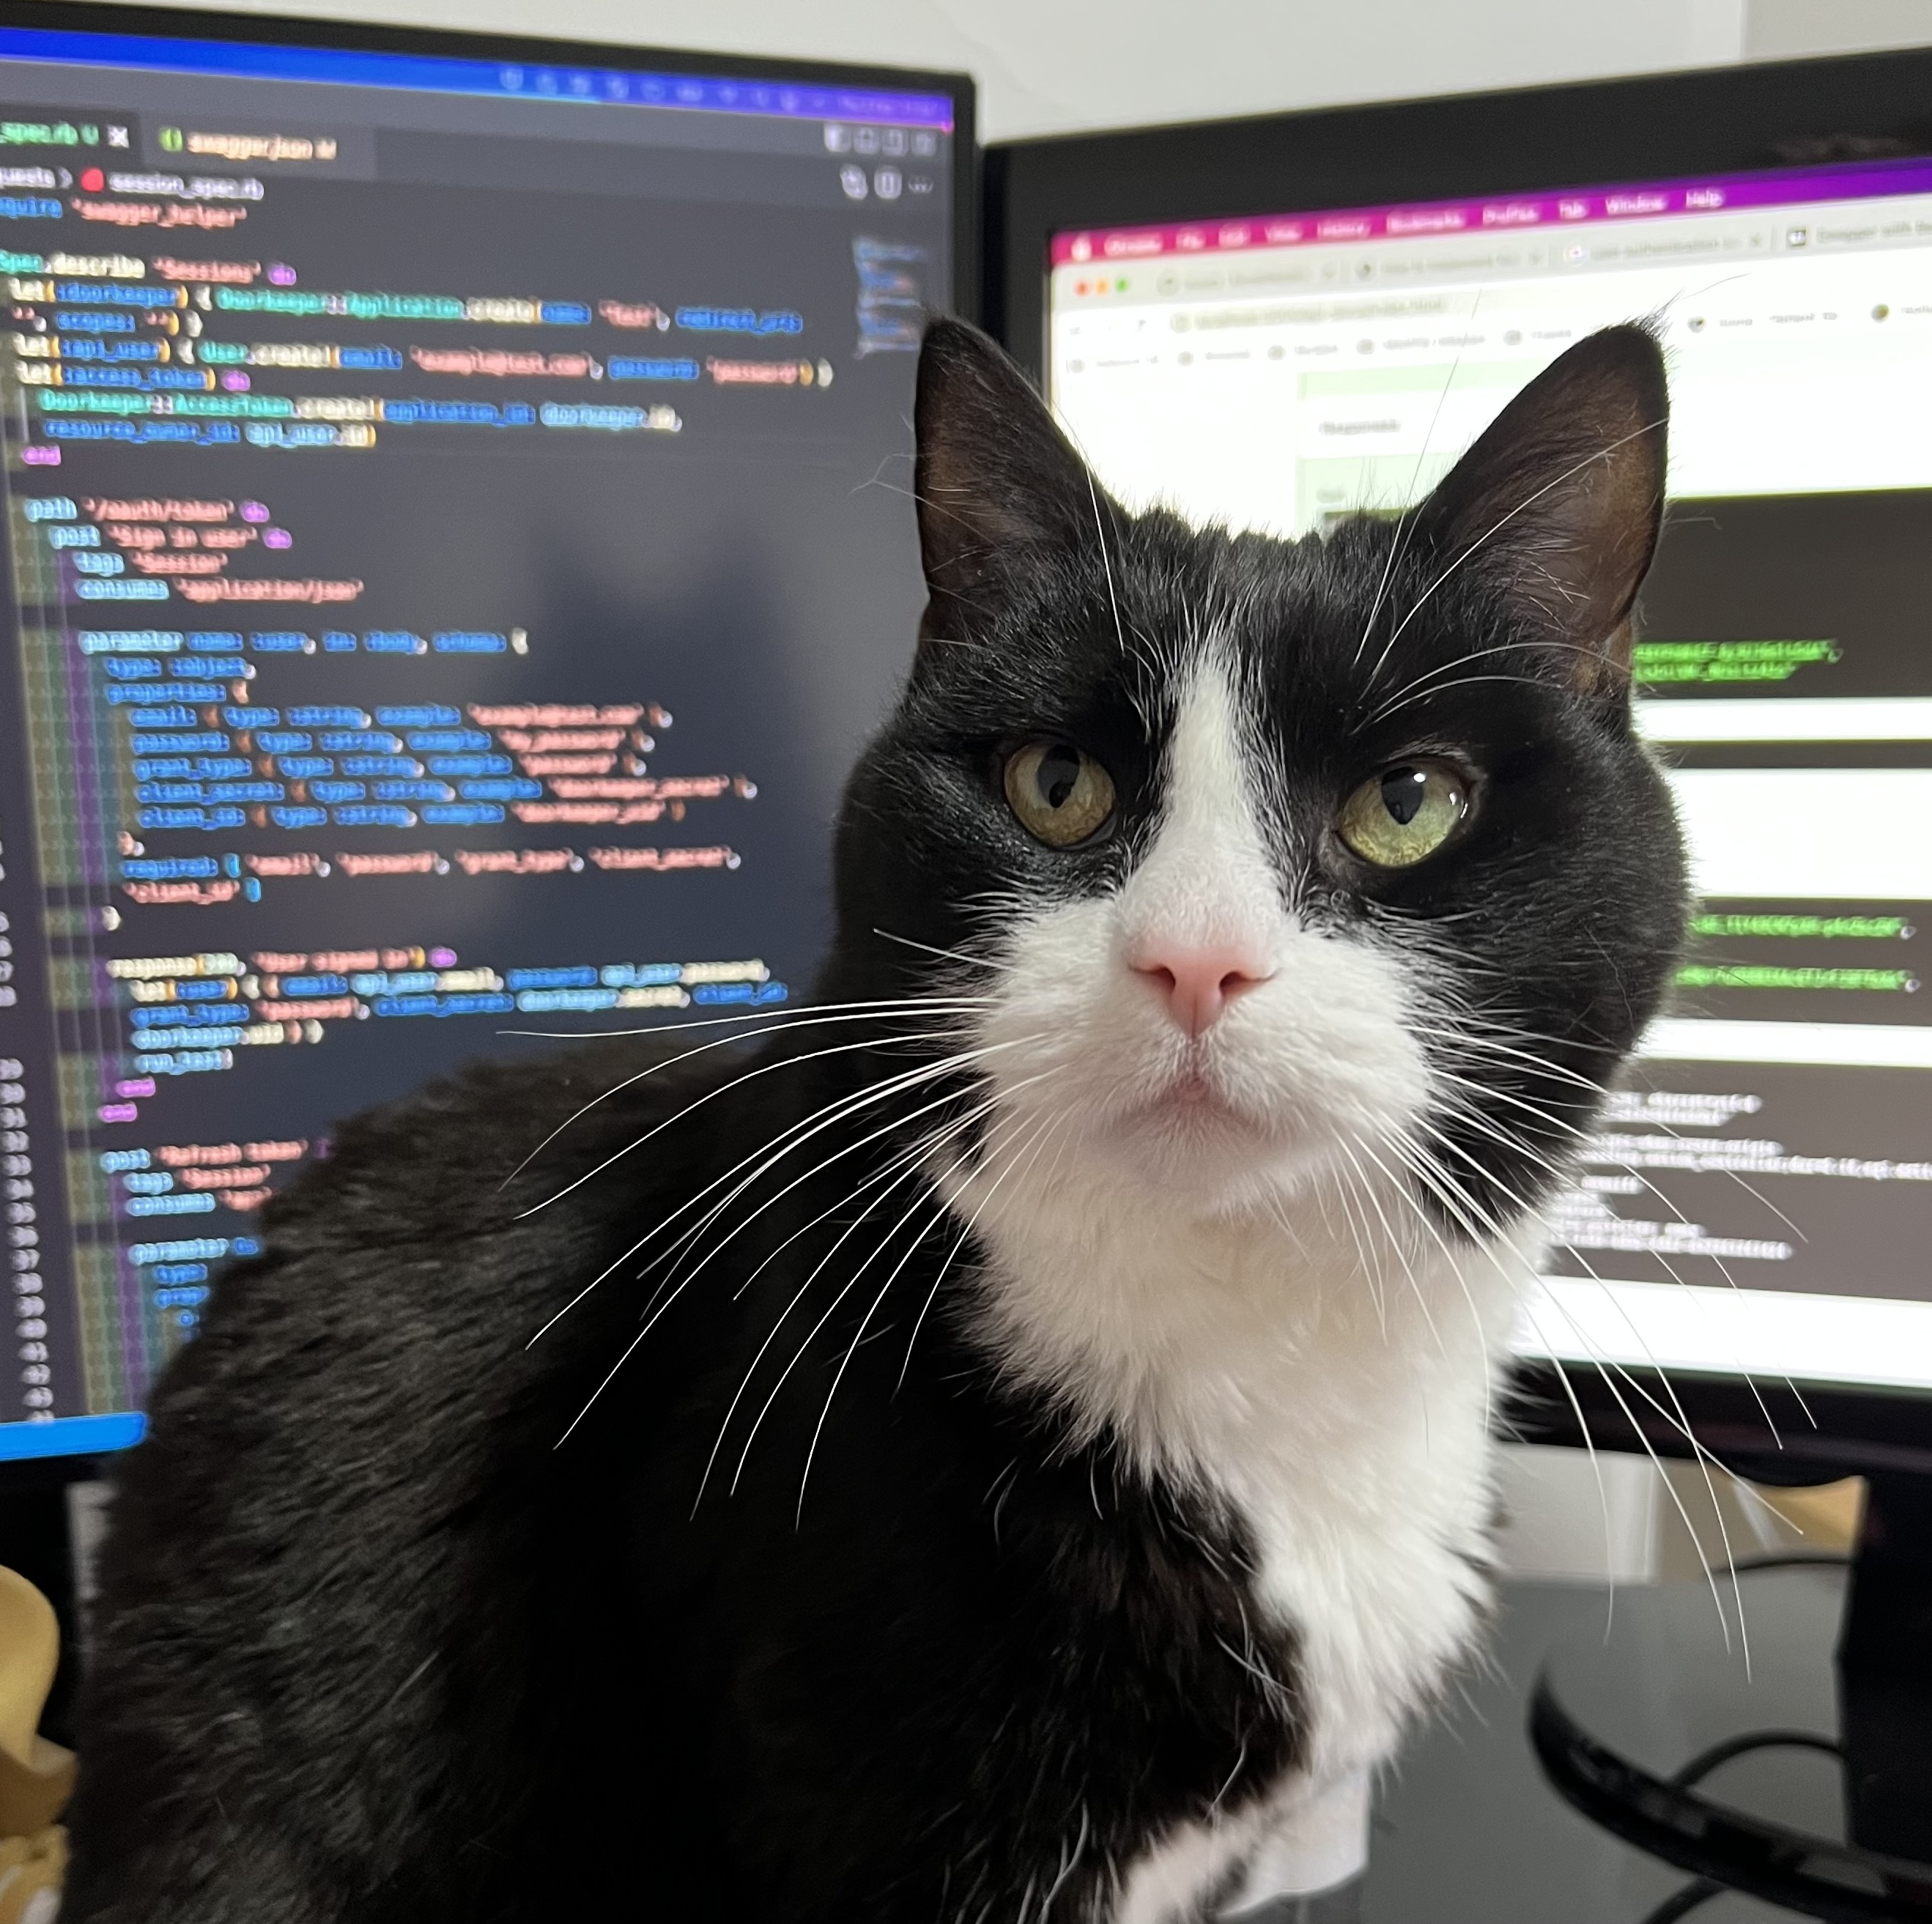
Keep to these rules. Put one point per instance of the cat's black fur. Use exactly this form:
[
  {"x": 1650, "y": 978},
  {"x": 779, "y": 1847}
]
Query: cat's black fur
[{"x": 373, "y": 1645}]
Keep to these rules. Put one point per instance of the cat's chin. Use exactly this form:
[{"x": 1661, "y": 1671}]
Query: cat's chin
[{"x": 1190, "y": 1139}]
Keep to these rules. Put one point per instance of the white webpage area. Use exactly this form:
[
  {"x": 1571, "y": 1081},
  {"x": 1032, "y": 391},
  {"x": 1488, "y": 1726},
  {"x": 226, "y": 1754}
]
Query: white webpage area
[
  {"x": 1273, "y": 388},
  {"x": 1276, "y": 388}
]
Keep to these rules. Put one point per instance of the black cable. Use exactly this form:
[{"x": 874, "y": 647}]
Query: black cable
[
  {"x": 1701, "y": 1766},
  {"x": 1707, "y": 1837},
  {"x": 1794, "y": 1560},
  {"x": 1699, "y": 1891},
  {"x": 1681, "y": 1903}
]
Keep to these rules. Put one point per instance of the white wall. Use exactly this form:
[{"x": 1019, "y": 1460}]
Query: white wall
[{"x": 1052, "y": 66}]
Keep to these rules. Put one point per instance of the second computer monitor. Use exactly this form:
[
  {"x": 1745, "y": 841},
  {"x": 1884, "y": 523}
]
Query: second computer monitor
[{"x": 1757, "y": 1200}]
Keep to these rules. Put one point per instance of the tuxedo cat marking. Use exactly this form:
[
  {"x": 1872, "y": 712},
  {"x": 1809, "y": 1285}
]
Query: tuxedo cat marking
[
  {"x": 1228, "y": 1384},
  {"x": 1025, "y": 1418}
]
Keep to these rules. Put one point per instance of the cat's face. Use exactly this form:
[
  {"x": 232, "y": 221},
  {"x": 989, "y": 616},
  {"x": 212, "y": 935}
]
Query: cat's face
[{"x": 1256, "y": 863}]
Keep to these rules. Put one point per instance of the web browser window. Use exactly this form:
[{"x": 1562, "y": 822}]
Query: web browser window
[{"x": 1759, "y": 1197}]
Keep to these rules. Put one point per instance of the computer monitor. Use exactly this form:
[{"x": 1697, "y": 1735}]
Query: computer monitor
[
  {"x": 453, "y": 557},
  {"x": 1747, "y": 1250}
]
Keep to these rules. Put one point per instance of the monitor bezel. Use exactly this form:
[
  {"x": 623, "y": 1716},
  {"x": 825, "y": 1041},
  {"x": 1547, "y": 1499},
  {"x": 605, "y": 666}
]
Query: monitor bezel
[
  {"x": 180, "y": 23},
  {"x": 365, "y": 37},
  {"x": 1596, "y": 134}
]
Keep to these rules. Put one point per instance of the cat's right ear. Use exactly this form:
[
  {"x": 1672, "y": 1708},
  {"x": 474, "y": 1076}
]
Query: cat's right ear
[{"x": 997, "y": 487}]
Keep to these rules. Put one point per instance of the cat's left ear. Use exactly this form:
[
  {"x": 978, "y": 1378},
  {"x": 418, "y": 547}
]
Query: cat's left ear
[
  {"x": 1557, "y": 507},
  {"x": 998, "y": 489}
]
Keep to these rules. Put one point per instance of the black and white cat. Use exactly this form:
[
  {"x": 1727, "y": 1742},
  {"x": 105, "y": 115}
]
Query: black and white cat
[{"x": 1011, "y": 1442}]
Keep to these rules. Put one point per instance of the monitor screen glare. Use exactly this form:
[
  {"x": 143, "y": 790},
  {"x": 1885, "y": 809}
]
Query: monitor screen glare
[
  {"x": 1759, "y": 1197},
  {"x": 445, "y": 591}
]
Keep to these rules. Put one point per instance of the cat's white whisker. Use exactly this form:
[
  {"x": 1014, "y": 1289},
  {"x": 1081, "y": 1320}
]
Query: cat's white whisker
[
  {"x": 910, "y": 1156},
  {"x": 909, "y": 1167},
  {"x": 935, "y": 1214},
  {"x": 1424, "y": 683},
  {"x": 1056, "y": 1126},
  {"x": 710, "y": 1095},
  {"x": 776, "y": 1016},
  {"x": 1406, "y": 1152},
  {"x": 947, "y": 954},
  {"x": 1348, "y": 1195},
  {"x": 810, "y": 1018},
  {"x": 1348, "y": 1148},
  {"x": 938, "y": 1215},
  {"x": 629, "y": 1350},
  {"x": 1603, "y": 1492},
  {"x": 851, "y": 1283},
  {"x": 1106, "y": 561},
  {"x": 916, "y": 1152},
  {"x": 1460, "y": 1207},
  {"x": 1482, "y": 541},
  {"x": 1609, "y": 1370},
  {"x": 828, "y": 1115},
  {"x": 913, "y": 1165},
  {"x": 892, "y": 1126},
  {"x": 1407, "y": 518},
  {"x": 1468, "y": 1114},
  {"x": 1680, "y": 1421},
  {"x": 1461, "y": 681},
  {"x": 676, "y": 1252},
  {"x": 1464, "y": 1036},
  {"x": 1676, "y": 1276}
]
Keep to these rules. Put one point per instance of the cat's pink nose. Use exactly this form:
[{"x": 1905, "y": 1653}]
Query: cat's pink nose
[{"x": 1198, "y": 983}]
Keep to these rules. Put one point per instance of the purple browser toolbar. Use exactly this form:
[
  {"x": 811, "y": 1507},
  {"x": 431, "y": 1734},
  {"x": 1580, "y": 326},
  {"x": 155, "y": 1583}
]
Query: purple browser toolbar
[{"x": 1497, "y": 214}]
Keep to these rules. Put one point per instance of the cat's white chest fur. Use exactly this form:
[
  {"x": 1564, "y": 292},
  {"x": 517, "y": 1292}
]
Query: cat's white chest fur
[
  {"x": 1208, "y": 1247},
  {"x": 1340, "y": 1416}
]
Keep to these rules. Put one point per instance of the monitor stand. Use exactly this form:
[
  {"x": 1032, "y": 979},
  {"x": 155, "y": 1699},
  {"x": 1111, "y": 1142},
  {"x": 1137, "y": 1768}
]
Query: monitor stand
[
  {"x": 1884, "y": 1672},
  {"x": 1807, "y": 1781}
]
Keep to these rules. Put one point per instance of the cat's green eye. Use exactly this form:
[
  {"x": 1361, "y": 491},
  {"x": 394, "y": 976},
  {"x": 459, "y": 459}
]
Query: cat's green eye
[
  {"x": 1401, "y": 816},
  {"x": 1060, "y": 793}
]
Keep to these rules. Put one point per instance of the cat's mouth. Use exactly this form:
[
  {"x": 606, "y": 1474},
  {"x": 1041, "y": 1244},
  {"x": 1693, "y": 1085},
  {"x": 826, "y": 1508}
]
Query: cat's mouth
[
  {"x": 1195, "y": 1127},
  {"x": 1193, "y": 1088},
  {"x": 1192, "y": 1107}
]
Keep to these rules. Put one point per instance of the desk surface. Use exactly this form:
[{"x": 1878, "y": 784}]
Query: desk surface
[{"x": 1467, "y": 1832}]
